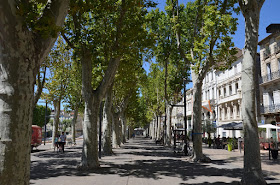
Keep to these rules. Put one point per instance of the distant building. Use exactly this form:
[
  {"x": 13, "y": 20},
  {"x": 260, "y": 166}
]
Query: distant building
[
  {"x": 66, "y": 116},
  {"x": 221, "y": 99}
]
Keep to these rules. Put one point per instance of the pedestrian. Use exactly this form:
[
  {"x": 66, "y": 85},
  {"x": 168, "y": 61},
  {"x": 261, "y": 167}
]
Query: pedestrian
[
  {"x": 56, "y": 142},
  {"x": 63, "y": 140}
]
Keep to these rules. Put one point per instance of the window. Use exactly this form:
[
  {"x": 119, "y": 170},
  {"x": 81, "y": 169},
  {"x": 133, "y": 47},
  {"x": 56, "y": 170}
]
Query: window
[
  {"x": 237, "y": 111},
  {"x": 225, "y": 92},
  {"x": 236, "y": 87},
  {"x": 271, "y": 98},
  {"x": 230, "y": 90},
  {"x": 213, "y": 93},
  {"x": 278, "y": 64},
  {"x": 226, "y": 113},
  {"x": 268, "y": 70}
]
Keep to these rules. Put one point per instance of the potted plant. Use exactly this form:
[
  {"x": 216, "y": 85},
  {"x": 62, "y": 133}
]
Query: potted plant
[{"x": 230, "y": 145}]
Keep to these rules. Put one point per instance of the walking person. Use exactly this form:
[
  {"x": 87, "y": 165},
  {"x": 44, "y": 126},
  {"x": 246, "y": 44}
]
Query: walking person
[{"x": 63, "y": 140}]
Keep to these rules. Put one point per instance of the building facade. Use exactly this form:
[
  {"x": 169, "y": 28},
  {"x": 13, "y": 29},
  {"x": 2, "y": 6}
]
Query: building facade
[
  {"x": 221, "y": 99},
  {"x": 270, "y": 80},
  {"x": 229, "y": 97}
]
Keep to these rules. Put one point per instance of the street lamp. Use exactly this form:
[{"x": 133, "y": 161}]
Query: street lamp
[
  {"x": 185, "y": 118},
  {"x": 45, "y": 126}
]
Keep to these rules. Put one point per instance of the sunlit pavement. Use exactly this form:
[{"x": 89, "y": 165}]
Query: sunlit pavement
[{"x": 141, "y": 162}]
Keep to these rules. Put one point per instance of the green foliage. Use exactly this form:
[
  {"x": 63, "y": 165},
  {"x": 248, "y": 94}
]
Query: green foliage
[
  {"x": 66, "y": 123},
  {"x": 32, "y": 11},
  {"x": 39, "y": 115},
  {"x": 208, "y": 26},
  {"x": 208, "y": 127},
  {"x": 60, "y": 70}
]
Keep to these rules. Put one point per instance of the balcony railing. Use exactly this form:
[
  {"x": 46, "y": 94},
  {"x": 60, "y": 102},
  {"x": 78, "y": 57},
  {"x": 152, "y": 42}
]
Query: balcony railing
[
  {"x": 270, "y": 109},
  {"x": 269, "y": 77}
]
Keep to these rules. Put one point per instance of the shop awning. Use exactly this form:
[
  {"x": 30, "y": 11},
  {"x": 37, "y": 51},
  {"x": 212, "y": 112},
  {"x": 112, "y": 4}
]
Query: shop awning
[{"x": 232, "y": 126}]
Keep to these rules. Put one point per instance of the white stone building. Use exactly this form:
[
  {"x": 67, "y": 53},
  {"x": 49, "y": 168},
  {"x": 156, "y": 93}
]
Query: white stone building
[
  {"x": 221, "y": 99},
  {"x": 270, "y": 80},
  {"x": 229, "y": 97}
]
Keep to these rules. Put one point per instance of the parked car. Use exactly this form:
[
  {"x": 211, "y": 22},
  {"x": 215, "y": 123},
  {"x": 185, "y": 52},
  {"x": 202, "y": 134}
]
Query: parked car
[{"x": 36, "y": 139}]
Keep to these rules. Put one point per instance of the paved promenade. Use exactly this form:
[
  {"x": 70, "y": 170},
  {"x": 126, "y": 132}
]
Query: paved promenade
[{"x": 141, "y": 162}]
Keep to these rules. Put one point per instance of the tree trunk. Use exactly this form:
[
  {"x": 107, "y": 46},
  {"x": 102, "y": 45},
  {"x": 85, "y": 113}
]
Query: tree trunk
[
  {"x": 76, "y": 111},
  {"x": 158, "y": 128},
  {"x": 16, "y": 108},
  {"x": 123, "y": 122},
  {"x": 119, "y": 132},
  {"x": 21, "y": 54},
  {"x": 107, "y": 124},
  {"x": 115, "y": 131},
  {"x": 168, "y": 129},
  {"x": 154, "y": 128},
  {"x": 197, "y": 130},
  {"x": 55, "y": 120},
  {"x": 252, "y": 162},
  {"x": 90, "y": 146}
]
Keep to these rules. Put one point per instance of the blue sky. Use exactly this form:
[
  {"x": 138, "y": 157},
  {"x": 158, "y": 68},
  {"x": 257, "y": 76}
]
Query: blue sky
[{"x": 269, "y": 14}]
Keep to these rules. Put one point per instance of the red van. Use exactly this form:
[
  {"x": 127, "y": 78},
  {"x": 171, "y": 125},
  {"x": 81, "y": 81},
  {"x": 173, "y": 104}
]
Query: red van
[{"x": 36, "y": 139}]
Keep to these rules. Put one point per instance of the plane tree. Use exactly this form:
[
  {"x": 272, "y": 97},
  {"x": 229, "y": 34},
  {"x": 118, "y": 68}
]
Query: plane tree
[
  {"x": 252, "y": 173},
  {"x": 100, "y": 33},
  {"x": 207, "y": 25},
  {"x": 58, "y": 80},
  {"x": 28, "y": 30}
]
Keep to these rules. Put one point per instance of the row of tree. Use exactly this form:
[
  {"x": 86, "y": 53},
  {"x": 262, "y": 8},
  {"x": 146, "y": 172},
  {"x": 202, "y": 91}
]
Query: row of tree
[
  {"x": 98, "y": 58},
  {"x": 200, "y": 33}
]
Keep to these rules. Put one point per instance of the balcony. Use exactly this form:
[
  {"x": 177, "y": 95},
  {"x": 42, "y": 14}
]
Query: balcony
[
  {"x": 236, "y": 96},
  {"x": 275, "y": 108},
  {"x": 269, "y": 77}
]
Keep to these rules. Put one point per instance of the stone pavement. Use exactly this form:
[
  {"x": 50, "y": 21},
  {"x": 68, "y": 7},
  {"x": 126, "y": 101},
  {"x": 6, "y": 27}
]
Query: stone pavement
[{"x": 141, "y": 162}]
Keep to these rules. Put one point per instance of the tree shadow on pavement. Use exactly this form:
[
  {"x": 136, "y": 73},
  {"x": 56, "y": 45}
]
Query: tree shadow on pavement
[{"x": 154, "y": 164}]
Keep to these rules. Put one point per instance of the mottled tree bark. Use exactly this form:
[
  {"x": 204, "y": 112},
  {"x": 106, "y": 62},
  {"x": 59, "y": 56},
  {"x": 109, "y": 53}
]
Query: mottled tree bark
[
  {"x": 124, "y": 127},
  {"x": 196, "y": 116},
  {"x": 55, "y": 120},
  {"x": 74, "y": 121},
  {"x": 107, "y": 124},
  {"x": 93, "y": 99},
  {"x": 115, "y": 140},
  {"x": 21, "y": 54},
  {"x": 252, "y": 163},
  {"x": 168, "y": 128}
]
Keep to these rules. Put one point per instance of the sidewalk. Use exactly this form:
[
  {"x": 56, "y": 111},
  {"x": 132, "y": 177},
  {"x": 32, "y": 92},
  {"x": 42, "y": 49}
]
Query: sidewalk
[{"x": 141, "y": 162}]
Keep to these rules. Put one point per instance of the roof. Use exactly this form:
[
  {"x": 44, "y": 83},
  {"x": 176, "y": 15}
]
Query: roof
[
  {"x": 239, "y": 52},
  {"x": 273, "y": 28},
  {"x": 266, "y": 39}
]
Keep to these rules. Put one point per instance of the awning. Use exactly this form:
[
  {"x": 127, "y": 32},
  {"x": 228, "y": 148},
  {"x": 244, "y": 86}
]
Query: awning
[
  {"x": 232, "y": 126},
  {"x": 269, "y": 126},
  {"x": 139, "y": 129}
]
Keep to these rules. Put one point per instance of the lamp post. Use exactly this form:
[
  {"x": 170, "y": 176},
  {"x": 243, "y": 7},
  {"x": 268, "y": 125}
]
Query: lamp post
[
  {"x": 185, "y": 118},
  {"x": 45, "y": 127}
]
